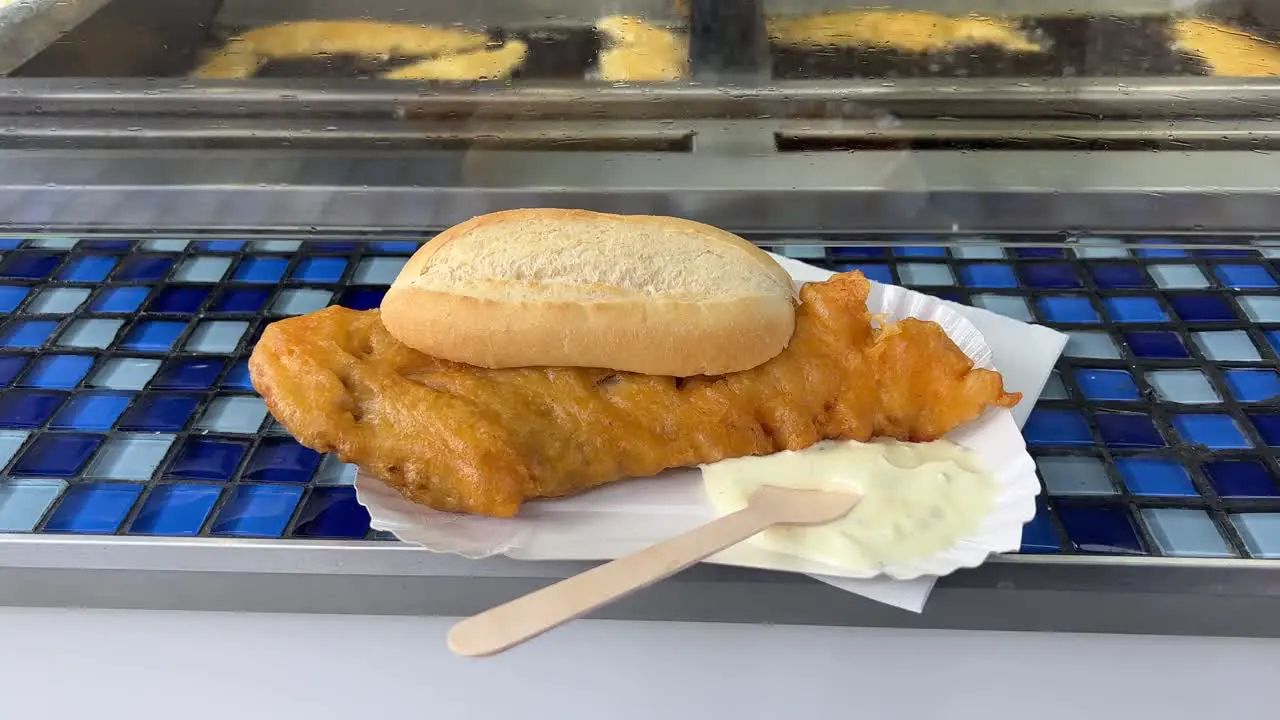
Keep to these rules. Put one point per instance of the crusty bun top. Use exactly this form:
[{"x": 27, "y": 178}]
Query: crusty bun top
[{"x": 654, "y": 295}]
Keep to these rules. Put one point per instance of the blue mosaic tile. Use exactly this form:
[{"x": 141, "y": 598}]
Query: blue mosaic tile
[
  {"x": 164, "y": 245},
  {"x": 1006, "y": 305},
  {"x": 125, "y": 373},
  {"x": 202, "y": 269},
  {"x": 1128, "y": 430},
  {"x": 239, "y": 414},
  {"x": 1073, "y": 475},
  {"x": 58, "y": 455},
  {"x": 1156, "y": 345},
  {"x": 1054, "y": 388},
  {"x": 1220, "y": 252},
  {"x": 1040, "y": 537},
  {"x": 29, "y": 408},
  {"x": 378, "y": 270},
  {"x": 153, "y": 335},
  {"x": 88, "y": 269},
  {"x": 238, "y": 377},
  {"x": 1260, "y": 532},
  {"x": 58, "y": 301},
  {"x": 978, "y": 250},
  {"x": 221, "y": 246},
  {"x": 1249, "y": 386},
  {"x": 1094, "y": 248},
  {"x": 1134, "y": 310},
  {"x": 1067, "y": 309},
  {"x": 258, "y": 511},
  {"x": 362, "y": 298},
  {"x": 203, "y": 458},
  {"x": 10, "y": 367},
  {"x": 30, "y": 265},
  {"x": 1202, "y": 308},
  {"x": 925, "y": 274},
  {"x": 335, "y": 472},
  {"x": 91, "y": 333},
  {"x": 277, "y": 245},
  {"x": 1260, "y": 308},
  {"x": 117, "y": 246},
  {"x": 1186, "y": 533},
  {"x": 93, "y": 508},
  {"x": 1056, "y": 427},
  {"x": 988, "y": 275},
  {"x": 1116, "y": 276},
  {"x": 1268, "y": 427},
  {"x": 160, "y": 412},
  {"x": 408, "y": 247},
  {"x": 1227, "y": 346},
  {"x": 304, "y": 300},
  {"x": 282, "y": 460},
  {"x": 176, "y": 510},
  {"x": 1040, "y": 253},
  {"x": 10, "y": 243},
  {"x": 1244, "y": 277},
  {"x": 1178, "y": 277},
  {"x": 332, "y": 513},
  {"x": 1241, "y": 478},
  {"x": 342, "y": 246},
  {"x": 11, "y": 296},
  {"x": 130, "y": 456},
  {"x": 320, "y": 270},
  {"x": 120, "y": 299},
  {"x": 1217, "y": 432},
  {"x": 1106, "y": 384},
  {"x": 88, "y": 411},
  {"x": 217, "y": 336},
  {"x": 179, "y": 300},
  {"x": 189, "y": 374},
  {"x": 24, "y": 502},
  {"x": 144, "y": 268},
  {"x": 1157, "y": 252},
  {"x": 1058, "y": 276},
  {"x": 27, "y": 334},
  {"x": 1155, "y": 477},
  {"x": 1273, "y": 339},
  {"x": 859, "y": 251},
  {"x": 1189, "y": 387},
  {"x": 240, "y": 300},
  {"x": 1091, "y": 345},
  {"x": 1105, "y": 529},
  {"x": 11, "y": 442},
  {"x": 920, "y": 251},
  {"x": 261, "y": 269},
  {"x": 877, "y": 273}
]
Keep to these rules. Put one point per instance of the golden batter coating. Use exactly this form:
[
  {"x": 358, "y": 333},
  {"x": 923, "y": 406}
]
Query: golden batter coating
[
  {"x": 907, "y": 30},
  {"x": 1228, "y": 51},
  {"x": 638, "y": 51},
  {"x": 464, "y": 439}
]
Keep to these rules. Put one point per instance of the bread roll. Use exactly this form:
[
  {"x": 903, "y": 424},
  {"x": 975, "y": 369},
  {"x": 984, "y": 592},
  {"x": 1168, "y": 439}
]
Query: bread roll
[{"x": 653, "y": 295}]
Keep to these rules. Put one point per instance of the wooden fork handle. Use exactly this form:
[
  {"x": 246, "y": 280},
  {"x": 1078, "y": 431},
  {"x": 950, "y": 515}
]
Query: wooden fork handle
[{"x": 527, "y": 617}]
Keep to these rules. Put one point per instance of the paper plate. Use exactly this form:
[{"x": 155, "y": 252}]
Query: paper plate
[{"x": 627, "y": 516}]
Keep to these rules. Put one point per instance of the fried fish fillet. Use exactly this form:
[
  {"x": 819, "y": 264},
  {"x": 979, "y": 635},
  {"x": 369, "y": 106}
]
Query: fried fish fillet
[
  {"x": 1228, "y": 51},
  {"x": 465, "y": 439},
  {"x": 907, "y": 30}
]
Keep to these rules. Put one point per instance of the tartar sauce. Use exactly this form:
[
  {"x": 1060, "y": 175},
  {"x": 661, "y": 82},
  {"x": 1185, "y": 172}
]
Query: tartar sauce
[{"x": 918, "y": 499}]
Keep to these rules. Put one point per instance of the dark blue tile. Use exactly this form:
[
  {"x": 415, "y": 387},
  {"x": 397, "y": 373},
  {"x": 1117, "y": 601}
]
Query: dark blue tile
[
  {"x": 1220, "y": 252},
  {"x": 29, "y": 408},
  {"x": 1244, "y": 277},
  {"x": 1040, "y": 537},
  {"x": 1134, "y": 310},
  {"x": 106, "y": 245},
  {"x": 859, "y": 251},
  {"x": 954, "y": 296},
  {"x": 27, "y": 334},
  {"x": 1273, "y": 339},
  {"x": 333, "y": 513},
  {"x": 394, "y": 247},
  {"x": 88, "y": 268},
  {"x": 1161, "y": 253},
  {"x": 160, "y": 412},
  {"x": 320, "y": 269},
  {"x": 93, "y": 508},
  {"x": 57, "y": 454},
  {"x": 1219, "y": 432},
  {"x": 1155, "y": 476},
  {"x": 878, "y": 273},
  {"x": 1101, "y": 529},
  {"x": 1199, "y": 308},
  {"x": 1156, "y": 345},
  {"x": 10, "y": 367},
  {"x": 258, "y": 510},
  {"x": 1040, "y": 253},
  {"x": 1067, "y": 309},
  {"x": 1056, "y": 427},
  {"x": 282, "y": 460},
  {"x": 1059, "y": 276},
  {"x": 1253, "y": 385},
  {"x": 92, "y": 411},
  {"x": 917, "y": 251},
  {"x": 11, "y": 243},
  {"x": 988, "y": 275},
  {"x": 203, "y": 458},
  {"x": 175, "y": 510},
  {"x": 342, "y": 246},
  {"x": 144, "y": 268},
  {"x": 11, "y": 296},
  {"x": 30, "y": 265},
  {"x": 179, "y": 299},
  {"x": 238, "y": 377},
  {"x": 241, "y": 300},
  {"x": 188, "y": 374},
  {"x": 1106, "y": 384},
  {"x": 120, "y": 299},
  {"x": 153, "y": 335},
  {"x": 1268, "y": 426},
  {"x": 1241, "y": 478},
  {"x": 1114, "y": 276},
  {"x": 58, "y": 372},
  {"x": 262, "y": 269},
  {"x": 1128, "y": 430},
  {"x": 362, "y": 298},
  {"x": 220, "y": 246}
]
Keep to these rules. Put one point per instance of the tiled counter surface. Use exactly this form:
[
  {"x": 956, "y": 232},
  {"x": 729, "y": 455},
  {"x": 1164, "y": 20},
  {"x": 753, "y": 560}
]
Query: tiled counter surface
[{"x": 127, "y": 408}]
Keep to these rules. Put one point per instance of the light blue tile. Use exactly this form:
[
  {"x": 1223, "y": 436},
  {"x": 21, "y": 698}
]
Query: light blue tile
[
  {"x": 931, "y": 274},
  {"x": 277, "y": 245},
  {"x": 10, "y": 442},
  {"x": 335, "y": 472},
  {"x": 130, "y": 456},
  {"x": 1227, "y": 346},
  {"x": 125, "y": 373},
  {"x": 1270, "y": 252},
  {"x": 1261, "y": 308},
  {"x": 1098, "y": 248},
  {"x": 216, "y": 336},
  {"x": 968, "y": 251},
  {"x": 234, "y": 414},
  {"x": 165, "y": 245},
  {"x": 1186, "y": 533},
  {"x": 1092, "y": 345},
  {"x": 58, "y": 301},
  {"x": 1181, "y": 277},
  {"x": 55, "y": 243},
  {"x": 202, "y": 269},
  {"x": 300, "y": 301},
  {"x": 378, "y": 270},
  {"x": 1054, "y": 388},
  {"x": 1261, "y": 533},
  {"x": 91, "y": 333},
  {"x": 24, "y": 502},
  {"x": 1190, "y": 387},
  {"x": 802, "y": 252},
  {"x": 1075, "y": 476},
  {"x": 1007, "y": 305}
]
